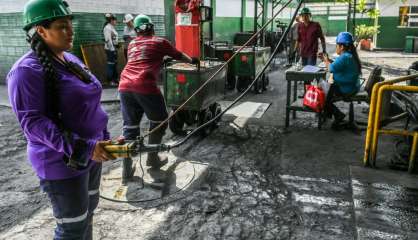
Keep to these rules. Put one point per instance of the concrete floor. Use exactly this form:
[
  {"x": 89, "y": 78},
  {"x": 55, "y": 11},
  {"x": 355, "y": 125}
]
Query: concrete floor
[{"x": 261, "y": 182}]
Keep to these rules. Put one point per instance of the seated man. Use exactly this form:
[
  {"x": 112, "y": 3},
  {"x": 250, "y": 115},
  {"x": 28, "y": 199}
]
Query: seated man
[{"x": 345, "y": 72}]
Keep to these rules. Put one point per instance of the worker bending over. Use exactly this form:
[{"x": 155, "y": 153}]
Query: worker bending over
[{"x": 139, "y": 92}]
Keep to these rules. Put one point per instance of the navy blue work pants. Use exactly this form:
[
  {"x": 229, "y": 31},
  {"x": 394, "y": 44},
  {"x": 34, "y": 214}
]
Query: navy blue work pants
[
  {"x": 133, "y": 107},
  {"x": 73, "y": 202},
  {"x": 111, "y": 71}
]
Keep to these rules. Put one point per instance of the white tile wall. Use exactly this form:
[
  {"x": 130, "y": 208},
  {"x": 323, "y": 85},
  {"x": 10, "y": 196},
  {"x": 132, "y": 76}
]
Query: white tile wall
[
  {"x": 230, "y": 8},
  {"x": 250, "y": 8},
  {"x": 10, "y": 6},
  {"x": 390, "y": 8},
  {"x": 151, "y": 7}
]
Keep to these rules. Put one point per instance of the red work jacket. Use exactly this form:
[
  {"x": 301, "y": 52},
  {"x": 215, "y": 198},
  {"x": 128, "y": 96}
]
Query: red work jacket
[
  {"x": 308, "y": 38},
  {"x": 145, "y": 59}
]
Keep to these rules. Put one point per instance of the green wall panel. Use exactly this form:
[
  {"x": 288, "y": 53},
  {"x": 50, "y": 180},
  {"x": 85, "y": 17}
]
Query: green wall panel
[
  {"x": 335, "y": 26},
  {"x": 169, "y": 19},
  {"x": 12, "y": 42},
  {"x": 248, "y": 24},
  {"x": 224, "y": 28},
  {"x": 390, "y": 35},
  {"x": 88, "y": 28},
  {"x": 329, "y": 27}
]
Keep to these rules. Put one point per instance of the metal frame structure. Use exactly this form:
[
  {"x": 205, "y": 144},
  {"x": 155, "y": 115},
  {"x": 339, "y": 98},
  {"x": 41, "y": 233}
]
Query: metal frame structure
[
  {"x": 351, "y": 21},
  {"x": 274, "y": 5},
  {"x": 260, "y": 19},
  {"x": 374, "y": 128}
]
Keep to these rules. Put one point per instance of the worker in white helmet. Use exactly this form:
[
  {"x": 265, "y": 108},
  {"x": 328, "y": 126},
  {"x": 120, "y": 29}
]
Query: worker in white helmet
[
  {"x": 111, "y": 47},
  {"x": 128, "y": 32}
]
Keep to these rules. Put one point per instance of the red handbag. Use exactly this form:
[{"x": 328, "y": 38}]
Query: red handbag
[{"x": 314, "y": 98}]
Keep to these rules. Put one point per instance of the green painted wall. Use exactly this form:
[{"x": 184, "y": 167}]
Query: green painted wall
[
  {"x": 390, "y": 35},
  {"x": 224, "y": 28},
  {"x": 87, "y": 27},
  {"x": 169, "y": 19},
  {"x": 329, "y": 27},
  {"x": 12, "y": 41},
  {"x": 335, "y": 26}
]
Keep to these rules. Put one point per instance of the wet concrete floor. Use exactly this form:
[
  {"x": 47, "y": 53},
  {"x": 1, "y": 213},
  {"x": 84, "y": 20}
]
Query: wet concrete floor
[{"x": 262, "y": 182}]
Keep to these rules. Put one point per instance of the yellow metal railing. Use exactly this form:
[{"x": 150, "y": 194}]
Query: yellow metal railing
[{"x": 373, "y": 127}]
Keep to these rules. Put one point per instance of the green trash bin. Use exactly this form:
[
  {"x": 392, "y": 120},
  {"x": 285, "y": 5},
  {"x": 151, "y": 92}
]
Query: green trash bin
[{"x": 409, "y": 44}]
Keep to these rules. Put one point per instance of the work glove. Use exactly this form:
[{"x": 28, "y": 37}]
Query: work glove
[
  {"x": 166, "y": 60},
  {"x": 195, "y": 60}
]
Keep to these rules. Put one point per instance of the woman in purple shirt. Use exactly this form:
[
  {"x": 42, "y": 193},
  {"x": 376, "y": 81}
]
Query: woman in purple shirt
[{"x": 57, "y": 102}]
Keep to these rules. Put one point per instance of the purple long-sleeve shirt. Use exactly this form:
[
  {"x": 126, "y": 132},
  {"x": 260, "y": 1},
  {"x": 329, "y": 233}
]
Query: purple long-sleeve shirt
[{"x": 79, "y": 104}]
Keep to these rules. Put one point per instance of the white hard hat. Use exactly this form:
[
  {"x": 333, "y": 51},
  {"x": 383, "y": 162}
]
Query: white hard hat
[{"x": 128, "y": 17}]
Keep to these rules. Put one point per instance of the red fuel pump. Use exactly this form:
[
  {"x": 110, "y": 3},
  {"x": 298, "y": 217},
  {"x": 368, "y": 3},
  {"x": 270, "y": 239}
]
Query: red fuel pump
[{"x": 188, "y": 27}]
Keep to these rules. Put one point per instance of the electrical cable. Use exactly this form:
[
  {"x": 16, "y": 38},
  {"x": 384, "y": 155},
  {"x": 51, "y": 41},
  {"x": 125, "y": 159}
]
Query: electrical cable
[
  {"x": 276, "y": 50},
  {"x": 182, "y": 141},
  {"x": 223, "y": 66},
  {"x": 152, "y": 199}
]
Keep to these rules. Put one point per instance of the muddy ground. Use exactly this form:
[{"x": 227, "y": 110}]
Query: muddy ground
[{"x": 262, "y": 183}]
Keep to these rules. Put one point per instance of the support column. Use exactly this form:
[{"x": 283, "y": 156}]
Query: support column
[
  {"x": 169, "y": 20},
  {"x": 243, "y": 14}
]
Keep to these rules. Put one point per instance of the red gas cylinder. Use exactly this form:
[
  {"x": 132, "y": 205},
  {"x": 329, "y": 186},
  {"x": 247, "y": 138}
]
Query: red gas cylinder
[{"x": 188, "y": 27}]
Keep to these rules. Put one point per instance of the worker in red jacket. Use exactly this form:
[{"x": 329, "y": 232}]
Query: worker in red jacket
[
  {"x": 308, "y": 34},
  {"x": 139, "y": 92}
]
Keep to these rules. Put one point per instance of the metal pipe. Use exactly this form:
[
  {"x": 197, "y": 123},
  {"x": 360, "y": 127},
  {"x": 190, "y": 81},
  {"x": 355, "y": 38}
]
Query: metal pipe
[
  {"x": 256, "y": 22},
  {"x": 395, "y": 118},
  {"x": 413, "y": 153},
  {"x": 354, "y": 18},
  {"x": 395, "y": 132},
  {"x": 372, "y": 110},
  {"x": 376, "y": 124}
]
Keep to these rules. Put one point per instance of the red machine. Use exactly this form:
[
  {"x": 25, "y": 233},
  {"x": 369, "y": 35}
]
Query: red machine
[{"x": 188, "y": 27}]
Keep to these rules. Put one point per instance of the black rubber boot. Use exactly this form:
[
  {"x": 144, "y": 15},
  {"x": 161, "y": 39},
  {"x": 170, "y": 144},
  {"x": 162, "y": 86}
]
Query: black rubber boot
[
  {"x": 127, "y": 170},
  {"x": 154, "y": 160},
  {"x": 338, "y": 116}
]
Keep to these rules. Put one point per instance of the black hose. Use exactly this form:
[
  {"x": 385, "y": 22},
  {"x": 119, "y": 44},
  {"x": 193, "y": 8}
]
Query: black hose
[
  {"x": 182, "y": 141},
  {"x": 220, "y": 69},
  {"x": 272, "y": 56}
]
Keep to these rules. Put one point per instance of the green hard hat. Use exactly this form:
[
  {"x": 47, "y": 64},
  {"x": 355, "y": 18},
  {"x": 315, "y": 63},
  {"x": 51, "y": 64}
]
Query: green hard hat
[
  {"x": 141, "y": 21},
  {"x": 305, "y": 10},
  {"x": 36, "y": 11}
]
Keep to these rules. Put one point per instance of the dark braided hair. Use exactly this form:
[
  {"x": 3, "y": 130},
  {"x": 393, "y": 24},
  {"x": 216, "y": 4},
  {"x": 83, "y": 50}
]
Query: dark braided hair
[
  {"x": 44, "y": 55},
  {"x": 78, "y": 159}
]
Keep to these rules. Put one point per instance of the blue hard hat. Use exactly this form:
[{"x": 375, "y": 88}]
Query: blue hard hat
[{"x": 345, "y": 38}]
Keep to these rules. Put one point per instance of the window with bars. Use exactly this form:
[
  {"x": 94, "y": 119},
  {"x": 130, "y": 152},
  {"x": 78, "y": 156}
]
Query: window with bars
[{"x": 408, "y": 16}]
